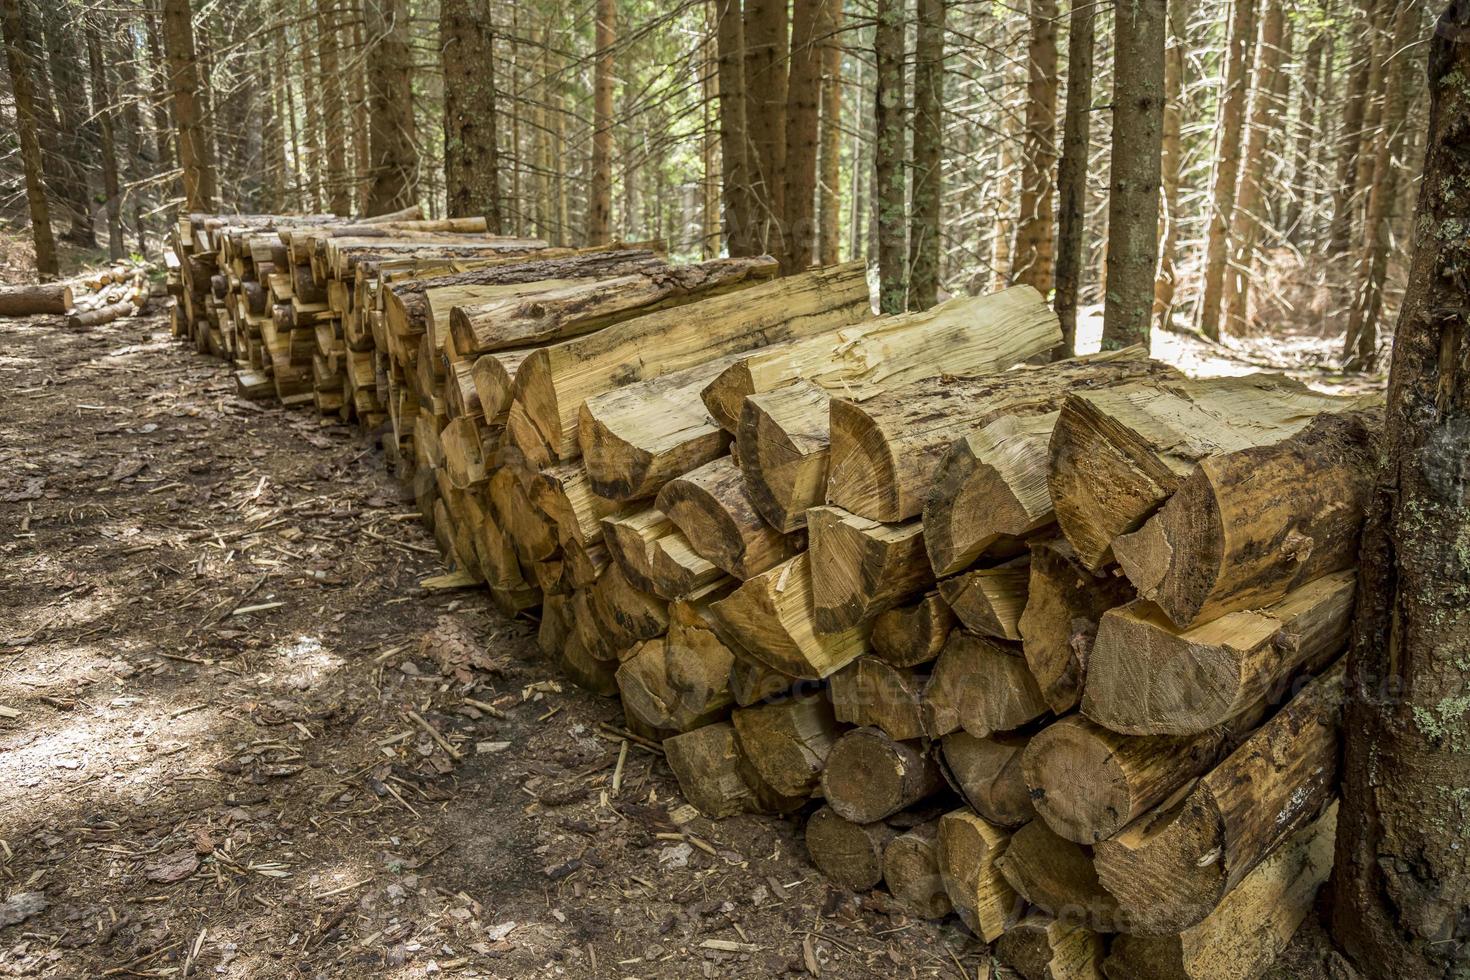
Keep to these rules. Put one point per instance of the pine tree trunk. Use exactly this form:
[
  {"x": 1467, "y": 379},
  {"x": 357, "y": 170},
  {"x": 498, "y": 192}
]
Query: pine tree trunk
[
  {"x": 1171, "y": 161},
  {"x": 339, "y": 189},
  {"x": 183, "y": 72},
  {"x": 69, "y": 94},
  {"x": 1340, "y": 232},
  {"x": 292, "y": 175},
  {"x": 1032, "y": 258},
  {"x": 164, "y": 124},
  {"x": 390, "y": 104},
  {"x": 361, "y": 114},
  {"x": 803, "y": 95},
  {"x": 735, "y": 190},
  {"x": 928, "y": 156},
  {"x": 831, "y": 182},
  {"x": 103, "y": 97},
  {"x": 1005, "y": 187},
  {"x": 1229, "y": 129},
  {"x": 1133, "y": 203},
  {"x": 1072, "y": 171},
  {"x": 272, "y": 137},
  {"x": 1247, "y": 218},
  {"x": 471, "y": 153},
  {"x": 889, "y": 128},
  {"x": 709, "y": 143},
  {"x": 1304, "y": 196},
  {"x": 133, "y": 96},
  {"x": 23, "y": 71},
  {"x": 599, "y": 203},
  {"x": 1401, "y": 883},
  {"x": 765, "y": 117},
  {"x": 310, "y": 85}
]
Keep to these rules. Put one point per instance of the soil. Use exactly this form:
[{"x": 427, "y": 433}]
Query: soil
[{"x": 218, "y": 673}]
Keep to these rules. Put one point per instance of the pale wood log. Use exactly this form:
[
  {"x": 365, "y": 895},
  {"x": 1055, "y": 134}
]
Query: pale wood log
[
  {"x": 1088, "y": 783},
  {"x": 911, "y": 872},
  {"x": 467, "y": 447},
  {"x": 441, "y": 301},
  {"x": 787, "y": 743},
  {"x": 52, "y": 297},
  {"x": 913, "y": 634},
  {"x": 980, "y": 685},
  {"x": 987, "y": 773},
  {"x": 1174, "y": 866},
  {"x": 1064, "y": 601},
  {"x": 1117, "y": 454},
  {"x": 562, "y": 494},
  {"x": 870, "y": 692},
  {"x": 636, "y": 438},
  {"x": 772, "y": 615},
  {"x": 493, "y": 376},
  {"x": 862, "y": 567},
  {"x": 969, "y": 851},
  {"x": 1044, "y": 947},
  {"x": 782, "y": 443},
  {"x": 964, "y": 335},
  {"x": 572, "y": 310},
  {"x": 1241, "y": 938},
  {"x": 1058, "y": 876},
  {"x": 629, "y": 539},
  {"x": 1247, "y": 527},
  {"x": 712, "y": 508},
  {"x": 990, "y": 492},
  {"x": 623, "y": 615},
  {"x": 885, "y": 450},
  {"x": 679, "y": 682},
  {"x": 590, "y": 673},
  {"x": 677, "y": 569},
  {"x": 101, "y": 315},
  {"x": 706, "y": 764},
  {"x": 870, "y": 776},
  {"x": 849, "y": 854},
  {"x": 1146, "y": 677},
  {"x": 990, "y": 601},
  {"x": 752, "y": 681},
  {"x": 552, "y": 383},
  {"x": 533, "y": 536}
]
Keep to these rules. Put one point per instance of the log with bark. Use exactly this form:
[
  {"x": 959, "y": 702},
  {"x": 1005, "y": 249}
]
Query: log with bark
[
  {"x": 870, "y": 776},
  {"x": 711, "y": 507},
  {"x": 50, "y": 297},
  {"x": 862, "y": 567},
  {"x": 849, "y": 854},
  {"x": 981, "y": 685},
  {"x": 913, "y": 634},
  {"x": 969, "y": 867}
]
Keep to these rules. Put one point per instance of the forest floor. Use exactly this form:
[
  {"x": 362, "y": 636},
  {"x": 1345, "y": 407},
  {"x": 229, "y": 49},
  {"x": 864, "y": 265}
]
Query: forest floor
[{"x": 218, "y": 676}]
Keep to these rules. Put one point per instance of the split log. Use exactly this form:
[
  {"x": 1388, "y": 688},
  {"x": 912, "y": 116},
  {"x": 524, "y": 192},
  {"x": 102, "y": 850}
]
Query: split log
[
  {"x": 772, "y": 615},
  {"x": 914, "y": 634},
  {"x": 1117, "y": 454},
  {"x": 677, "y": 569},
  {"x": 622, "y": 615},
  {"x": 870, "y": 776},
  {"x": 630, "y": 539},
  {"x": 990, "y": 601},
  {"x": 553, "y": 382},
  {"x": 1246, "y": 528},
  {"x": 1173, "y": 867},
  {"x": 787, "y": 742},
  {"x": 870, "y": 692},
  {"x": 861, "y": 567},
  {"x": 48, "y": 297},
  {"x": 752, "y": 682},
  {"x": 782, "y": 442},
  {"x": 551, "y": 315},
  {"x": 493, "y": 376},
  {"x": 636, "y": 438},
  {"x": 556, "y": 625},
  {"x": 102, "y": 314},
  {"x": 679, "y": 682},
  {"x": 1044, "y": 947},
  {"x": 706, "y": 764},
  {"x": 982, "y": 686},
  {"x": 964, "y": 335},
  {"x": 849, "y": 854},
  {"x": 987, "y": 772},
  {"x": 990, "y": 492},
  {"x": 1241, "y": 938},
  {"x": 1064, "y": 601},
  {"x": 885, "y": 450},
  {"x": 969, "y": 853},
  {"x": 1058, "y": 877},
  {"x": 1146, "y": 677},
  {"x": 586, "y": 671},
  {"x": 563, "y": 496},
  {"x": 1088, "y": 783},
  {"x": 911, "y": 872},
  {"x": 711, "y": 507}
]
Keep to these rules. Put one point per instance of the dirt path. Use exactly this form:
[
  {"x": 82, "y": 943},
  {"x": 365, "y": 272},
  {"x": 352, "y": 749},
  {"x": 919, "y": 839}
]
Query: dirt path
[{"x": 212, "y": 652}]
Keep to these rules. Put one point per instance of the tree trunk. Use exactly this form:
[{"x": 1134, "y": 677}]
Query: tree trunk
[
  {"x": 1133, "y": 201},
  {"x": 361, "y": 113},
  {"x": 928, "y": 155},
  {"x": 183, "y": 71},
  {"x": 390, "y": 104},
  {"x": 310, "y": 83},
  {"x": 599, "y": 200},
  {"x": 1339, "y": 235},
  {"x": 1031, "y": 260},
  {"x": 831, "y": 166},
  {"x": 291, "y": 178},
  {"x": 1228, "y": 132},
  {"x": 709, "y": 143},
  {"x": 1304, "y": 197},
  {"x": 803, "y": 93},
  {"x": 1246, "y": 220},
  {"x": 888, "y": 116},
  {"x": 1402, "y": 877},
  {"x": 1172, "y": 159},
  {"x": 1001, "y": 266},
  {"x": 471, "y": 154},
  {"x": 133, "y": 95},
  {"x": 1072, "y": 172},
  {"x": 735, "y": 188},
  {"x": 22, "y": 74},
  {"x": 339, "y": 189},
  {"x": 69, "y": 94},
  {"x": 102, "y": 101},
  {"x": 765, "y": 117},
  {"x": 164, "y": 126}
]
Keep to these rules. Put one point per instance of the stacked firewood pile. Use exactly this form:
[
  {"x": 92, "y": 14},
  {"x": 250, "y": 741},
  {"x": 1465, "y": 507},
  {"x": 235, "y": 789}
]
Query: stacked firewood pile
[{"x": 1053, "y": 647}]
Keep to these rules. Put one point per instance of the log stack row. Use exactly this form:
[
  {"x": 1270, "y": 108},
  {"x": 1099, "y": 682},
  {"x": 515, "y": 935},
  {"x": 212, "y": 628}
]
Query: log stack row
[{"x": 1051, "y": 646}]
